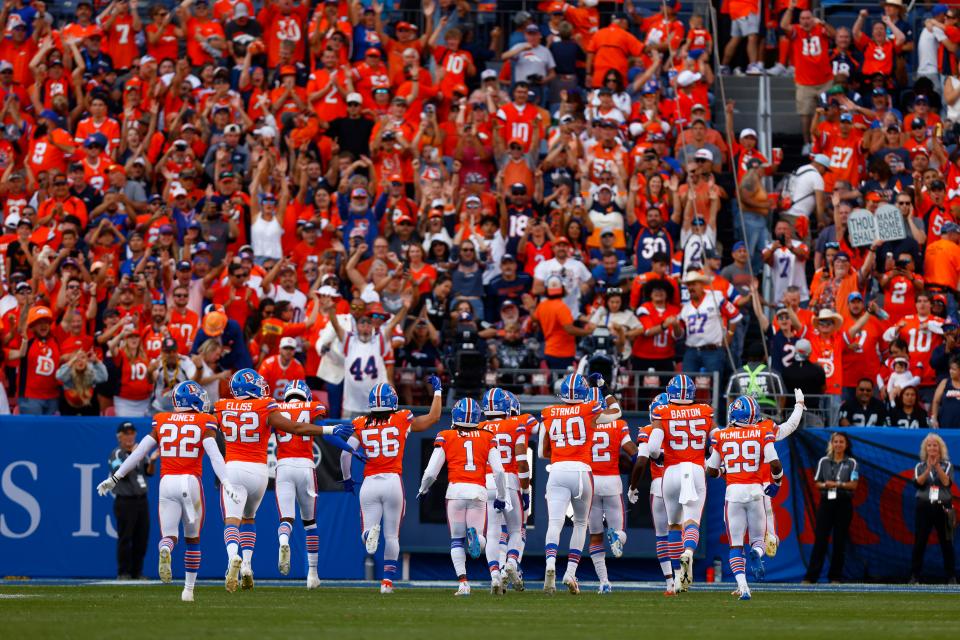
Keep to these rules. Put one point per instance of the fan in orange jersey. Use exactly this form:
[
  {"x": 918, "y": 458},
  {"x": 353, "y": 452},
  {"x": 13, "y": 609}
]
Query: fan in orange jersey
[
  {"x": 246, "y": 421},
  {"x": 739, "y": 453},
  {"x": 609, "y": 440},
  {"x": 518, "y": 118},
  {"x": 381, "y": 436},
  {"x": 179, "y": 435},
  {"x": 846, "y": 152},
  {"x": 469, "y": 453},
  {"x": 923, "y": 332},
  {"x": 510, "y": 438},
  {"x": 680, "y": 430}
]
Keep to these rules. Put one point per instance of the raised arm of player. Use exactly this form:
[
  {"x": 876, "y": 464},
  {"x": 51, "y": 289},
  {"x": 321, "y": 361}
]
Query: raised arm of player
[
  {"x": 277, "y": 421},
  {"x": 788, "y": 427},
  {"x": 432, "y": 471},
  {"x": 424, "y": 422},
  {"x": 142, "y": 449}
]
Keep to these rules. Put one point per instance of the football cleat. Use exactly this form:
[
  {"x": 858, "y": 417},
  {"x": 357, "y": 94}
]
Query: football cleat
[
  {"x": 496, "y": 587},
  {"x": 372, "y": 539},
  {"x": 473, "y": 543},
  {"x": 615, "y": 542},
  {"x": 605, "y": 589},
  {"x": 686, "y": 570},
  {"x": 514, "y": 577},
  {"x": 756, "y": 567},
  {"x": 771, "y": 542},
  {"x": 572, "y": 585},
  {"x": 550, "y": 581},
  {"x": 463, "y": 589},
  {"x": 283, "y": 562},
  {"x": 246, "y": 577},
  {"x": 166, "y": 574},
  {"x": 743, "y": 594},
  {"x": 313, "y": 580},
  {"x": 386, "y": 586},
  {"x": 671, "y": 588},
  {"x": 233, "y": 570},
  {"x": 186, "y": 595}
]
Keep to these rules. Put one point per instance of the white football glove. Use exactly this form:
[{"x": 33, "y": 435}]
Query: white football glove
[
  {"x": 633, "y": 495},
  {"x": 231, "y": 492},
  {"x": 107, "y": 485},
  {"x": 798, "y": 396}
]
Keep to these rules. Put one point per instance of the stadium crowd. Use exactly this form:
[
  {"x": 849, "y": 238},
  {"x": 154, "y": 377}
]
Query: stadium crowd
[{"x": 194, "y": 190}]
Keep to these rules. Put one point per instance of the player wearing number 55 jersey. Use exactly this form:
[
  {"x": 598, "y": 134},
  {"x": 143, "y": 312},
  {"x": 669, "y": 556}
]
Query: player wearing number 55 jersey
[
  {"x": 246, "y": 421},
  {"x": 469, "y": 454},
  {"x": 382, "y": 436},
  {"x": 739, "y": 453},
  {"x": 179, "y": 436},
  {"x": 680, "y": 430}
]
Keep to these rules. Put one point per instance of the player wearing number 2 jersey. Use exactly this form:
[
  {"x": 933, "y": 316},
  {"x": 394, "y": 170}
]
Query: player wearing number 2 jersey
[
  {"x": 680, "y": 430},
  {"x": 469, "y": 453},
  {"x": 382, "y": 436},
  {"x": 179, "y": 436},
  {"x": 246, "y": 421},
  {"x": 740, "y": 452}
]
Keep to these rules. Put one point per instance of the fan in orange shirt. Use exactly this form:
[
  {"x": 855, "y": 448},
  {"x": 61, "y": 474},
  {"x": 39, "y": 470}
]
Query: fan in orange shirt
[
  {"x": 612, "y": 48},
  {"x": 282, "y": 368}
]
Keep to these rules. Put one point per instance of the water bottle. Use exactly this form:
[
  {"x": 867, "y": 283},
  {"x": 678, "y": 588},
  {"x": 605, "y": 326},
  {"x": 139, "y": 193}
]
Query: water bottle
[
  {"x": 369, "y": 568},
  {"x": 651, "y": 380},
  {"x": 717, "y": 569},
  {"x": 854, "y": 475}
]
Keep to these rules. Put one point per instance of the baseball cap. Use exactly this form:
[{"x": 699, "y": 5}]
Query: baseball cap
[
  {"x": 507, "y": 257},
  {"x": 703, "y": 154},
  {"x": 802, "y": 349},
  {"x": 746, "y": 133},
  {"x": 532, "y": 28},
  {"x": 169, "y": 344},
  {"x": 488, "y": 74},
  {"x": 822, "y": 160},
  {"x": 554, "y": 285},
  {"x": 950, "y": 227},
  {"x": 738, "y": 245},
  {"x": 184, "y": 265},
  {"x": 214, "y": 323},
  {"x": 124, "y": 427},
  {"x": 355, "y": 98},
  {"x": 561, "y": 240},
  {"x": 288, "y": 343},
  {"x": 856, "y": 295}
]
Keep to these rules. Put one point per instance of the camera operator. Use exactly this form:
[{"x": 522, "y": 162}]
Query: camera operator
[{"x": 933, "y": 477}]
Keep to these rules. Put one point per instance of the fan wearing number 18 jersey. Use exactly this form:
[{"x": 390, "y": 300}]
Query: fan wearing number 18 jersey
[
  {"x": 246, "y": 421},
  {"x": 382, "y": 436},
  {"x": 180, "y": 436},
  {"x": 680, "y": 430},
  {"x": 739, "y": 453}
]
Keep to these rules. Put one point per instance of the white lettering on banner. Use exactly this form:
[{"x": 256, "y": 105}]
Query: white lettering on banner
[
  {"x": 890, "y": 224},
  {"x": 86, "y": 501},
  {"x": 862, "y": 227},
  {"x": 19, "y": 497},
  {"x": 885, "y": 225}
]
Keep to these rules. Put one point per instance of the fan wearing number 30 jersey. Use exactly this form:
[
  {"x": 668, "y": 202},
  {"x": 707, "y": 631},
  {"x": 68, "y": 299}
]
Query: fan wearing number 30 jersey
[
  {"x": 180, "y": 436},
  {"x": 680, "y": 430},
  {"x": 381, "y": 436},
  {"x": 246, "y": 421}
]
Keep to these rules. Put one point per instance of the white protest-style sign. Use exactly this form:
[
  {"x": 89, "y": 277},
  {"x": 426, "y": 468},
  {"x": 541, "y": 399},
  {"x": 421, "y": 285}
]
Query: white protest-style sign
[
  {"x": 885, "y": 225},
  {"x": 890, "y": 225},
  {"x": 861, "y": 227}
]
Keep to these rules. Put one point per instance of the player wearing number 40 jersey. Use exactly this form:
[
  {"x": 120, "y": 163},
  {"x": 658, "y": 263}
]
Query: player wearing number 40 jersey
[
  {"x": 246, "y": 421},
  {"x": 566, "y": 440},
  {"x": 179, "y": 436},
  {"x": 382, "y": 436},
  {"x": 680, "y": 429},
  {"x": 739, "y": 453}
]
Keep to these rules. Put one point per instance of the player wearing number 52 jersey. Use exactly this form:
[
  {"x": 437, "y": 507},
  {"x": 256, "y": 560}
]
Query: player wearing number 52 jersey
[
  {"x": 381, "y": 436},
  {"x": 609, "y": 438},
  {"x": 469, "y": 454},
  {"x": 180, "y": 436},
  {"x": 566, "y": 440},
  {"x": 246, "y": 421},
  {"x": 680, "y": 430},
  {"x": 367, "y": 361},
  {"x": 739, "y": 453}
]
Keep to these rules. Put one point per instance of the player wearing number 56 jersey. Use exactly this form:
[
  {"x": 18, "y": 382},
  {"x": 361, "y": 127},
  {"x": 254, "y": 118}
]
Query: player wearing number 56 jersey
[
  {"x": 246, "y": 421},
  {"x": 740, "y": 453},
  {"x": 469, "y": 454},
  {"x": 680, "y": 431},
  {"x": 381, "y": 436},
  {"x": 179, "y": 436}
]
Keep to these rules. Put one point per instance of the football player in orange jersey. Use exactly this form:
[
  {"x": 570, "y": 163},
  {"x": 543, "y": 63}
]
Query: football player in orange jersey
[
  {"x": 523, "y": 475},
  {"x": 609, "y": 438},
  {"x": 680, "y": 428},
  {"x": 657, "y": 507},
  {"x": 566, "y": 439},
  {"x": 246, "y": 421},
  {"x": 469, "y": 452},
  {"x": 738, "y": 453},
  {"x": 510, "y": 439},
  {"x": 382, "y": 436},
  {"x": 181, "y": 466}
]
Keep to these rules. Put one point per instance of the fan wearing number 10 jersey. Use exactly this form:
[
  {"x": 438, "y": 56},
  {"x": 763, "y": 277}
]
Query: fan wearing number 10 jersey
[
  {"x": 179, "y": 436},
  {"x": 246, "y": 421},
  {"x": 381, "y": 436},
  {"x": 680, "y": 430}
]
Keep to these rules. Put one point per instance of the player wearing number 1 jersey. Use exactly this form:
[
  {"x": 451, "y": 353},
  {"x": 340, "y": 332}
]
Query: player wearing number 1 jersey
[
  {"x": 739, "y": 453},
  {"x": 680, "y": 430},
  {"x": 246, "y": 421},
  {"x": 179, "y": 436},
  {"x": 469, "y": 454},
  {"x": 381, "y": 436}
]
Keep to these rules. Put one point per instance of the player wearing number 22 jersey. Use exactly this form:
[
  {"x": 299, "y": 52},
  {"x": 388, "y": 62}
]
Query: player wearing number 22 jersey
[
  {"x": 181, "y": 436},
  {"x": 246, "y": 421},
  {"x": 680, "y": 431},
  {"x": 382, "y": 436}
]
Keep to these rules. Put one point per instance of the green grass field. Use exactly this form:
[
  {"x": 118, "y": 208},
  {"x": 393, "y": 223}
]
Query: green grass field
[{"x": 156, "y": 612}]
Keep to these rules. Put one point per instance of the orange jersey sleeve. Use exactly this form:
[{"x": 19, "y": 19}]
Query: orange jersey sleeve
[
  {"x": 179, "y": 439},
  {"x": 570, "y": 429},
  {"x": 293, "y": 446},
  {"x": 685, "y": 431},
  {"x": 383, "y": 442},
  {"x": 466, "y": 452},
  {"x": 245, "y": 428},
  {"x": 607, "y": 442}
]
